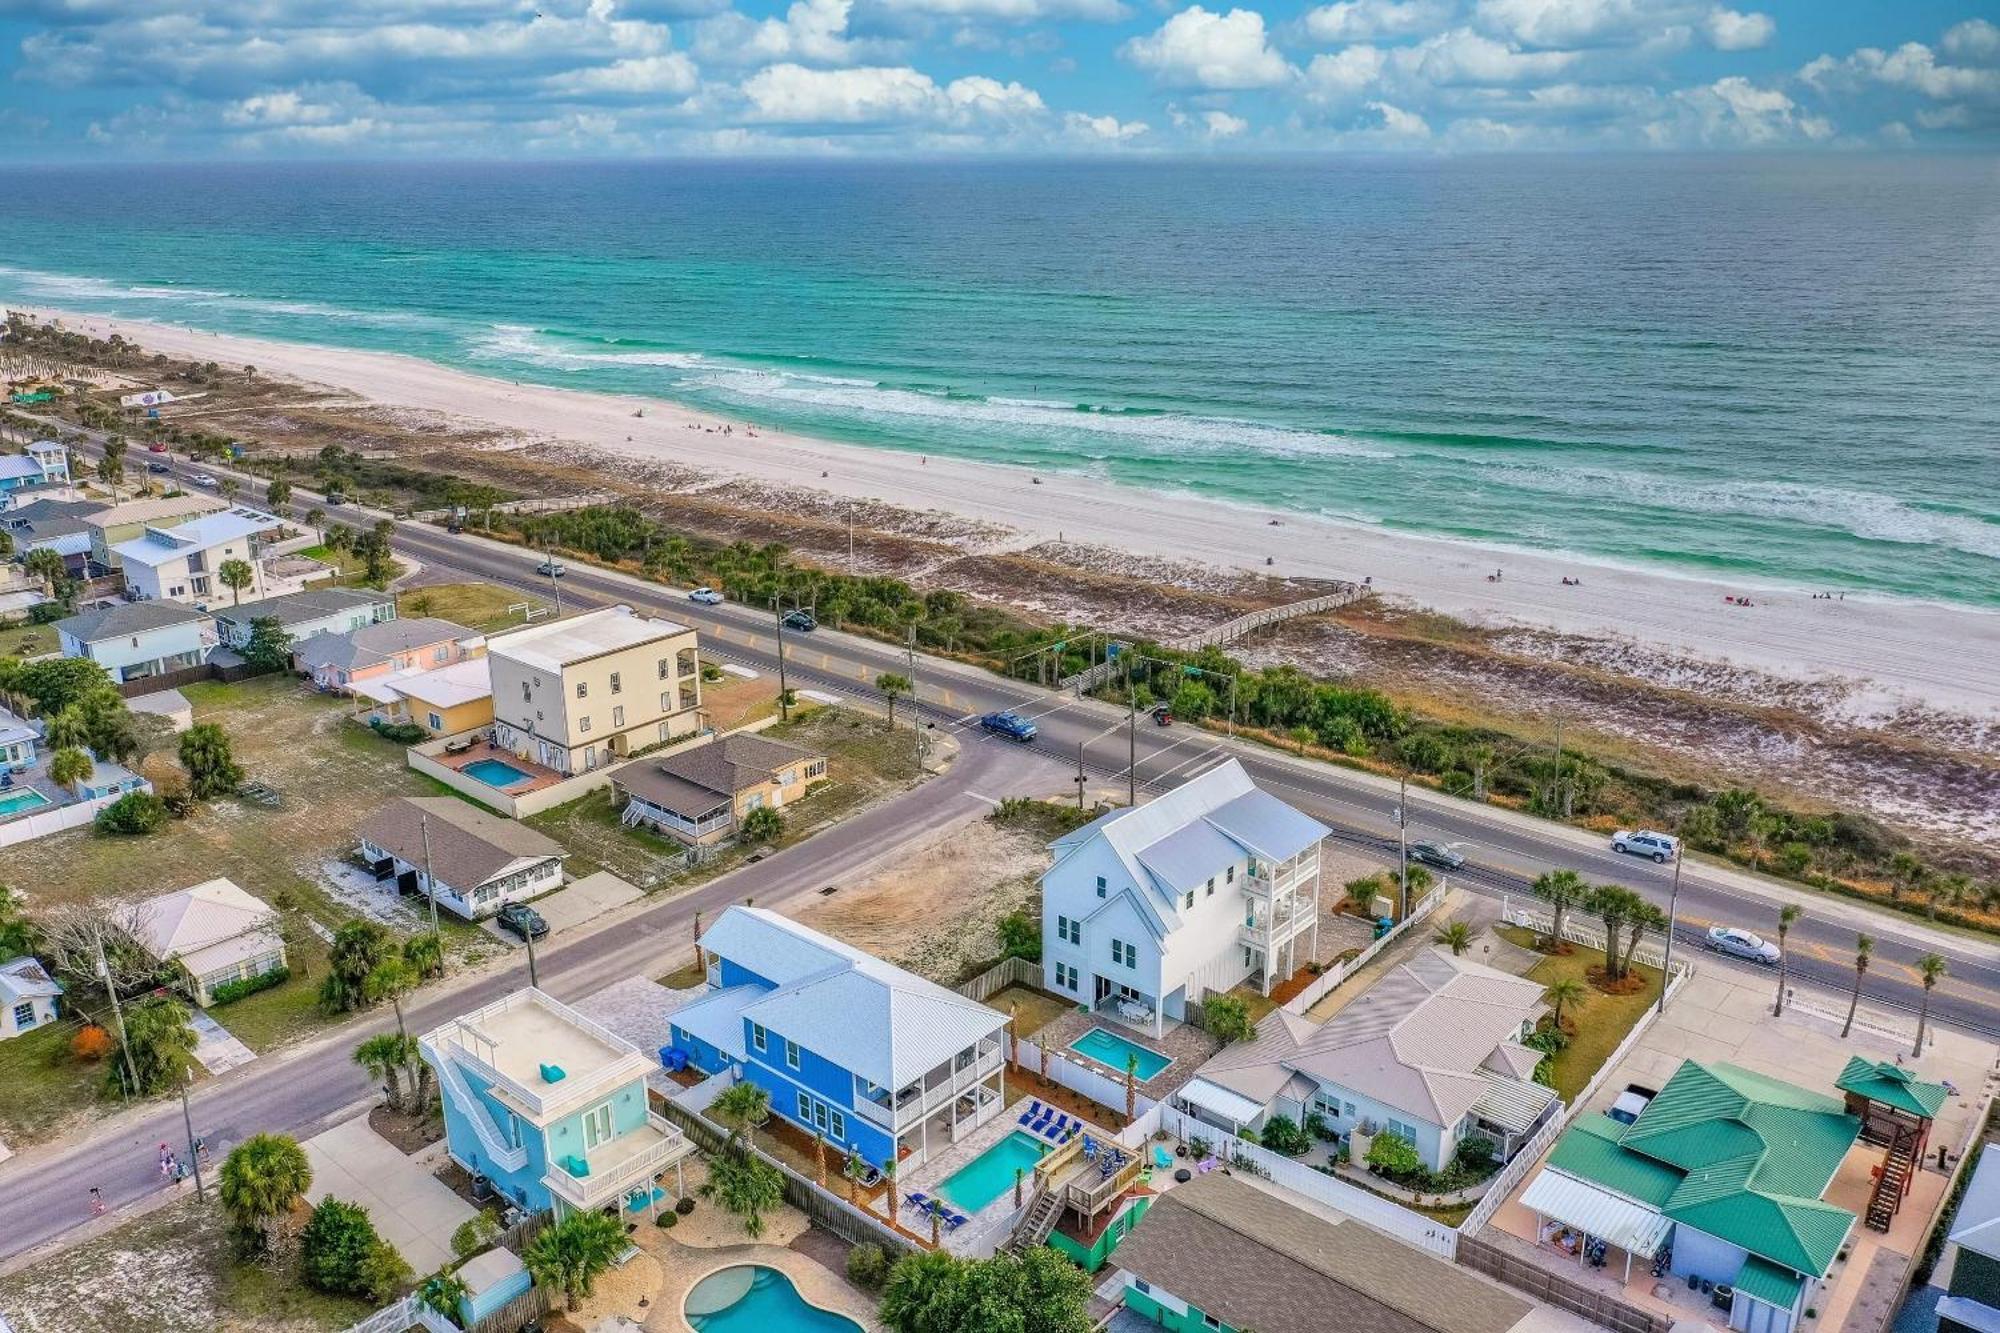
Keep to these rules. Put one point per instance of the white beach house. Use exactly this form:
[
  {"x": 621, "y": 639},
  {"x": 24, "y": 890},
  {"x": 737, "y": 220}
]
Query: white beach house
[
  {"x": 183, "y": 563},
  {"x": 1147, "y": 907}
]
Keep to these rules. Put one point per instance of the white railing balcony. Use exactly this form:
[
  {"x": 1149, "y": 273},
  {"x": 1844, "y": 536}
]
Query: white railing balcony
[
  {"x": 915, "y": 1102},
  {"x": 1274, "y": 928},
  {"x": 626, "y": 1163}
]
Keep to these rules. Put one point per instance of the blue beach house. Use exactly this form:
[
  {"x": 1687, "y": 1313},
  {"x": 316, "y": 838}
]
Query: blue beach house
[
  {"x": 875, "y": 1060},
  {"x": 550, "y": 1106}
]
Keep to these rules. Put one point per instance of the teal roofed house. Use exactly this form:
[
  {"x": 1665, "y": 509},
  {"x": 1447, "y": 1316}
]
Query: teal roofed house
[{"x": 1726, "y": 1171}]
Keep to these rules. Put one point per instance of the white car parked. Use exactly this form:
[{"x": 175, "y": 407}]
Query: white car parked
[
  {"x": 1742, "y": 944},
  {"x": 1660, "y": 846}
]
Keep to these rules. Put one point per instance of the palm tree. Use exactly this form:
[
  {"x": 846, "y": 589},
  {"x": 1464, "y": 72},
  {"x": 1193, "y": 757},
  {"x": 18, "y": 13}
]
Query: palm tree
[
  {"x": 1933, "y": 968},
  {"x": 443, "y": 1292},
  {"x": 1906, "y": 873},
  {"x": 1787, "y": 915},
  {"x": 1864, "y": 947},
  {"x": 236, "y": 575},
  {"x": 889, "y": 1179},
  {"x": 1456, "y": 936},
  {"x": 1131, "y": 1087},
  {"x": 892, "y": 686},
  {"x": 69, "y": 766},
  {"x": 1565, "y": 992},
  {"x": 391, "y": 979},
  {"x": 568, "y": 1255},
  {"x": 1614, "y": 905},
  {"x": 385, "y": 1056},
  {"x": 1948, "y": 891},
  {"x": 44, "y": 564},
  {"x": 1561, "y": 890},
  {"x": 742, "y": 1106},
  {"x": 1644, "y": 917},
  {"x": 261, "y": 1182}
]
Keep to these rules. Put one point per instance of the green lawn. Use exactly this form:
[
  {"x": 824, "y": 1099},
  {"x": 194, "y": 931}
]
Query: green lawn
[
  {"x": 480, "y": 606},
  {"x": 25, "y": 640},
  {"x": 1603, "y": 1020},
  {"x": 46, "y": 1088}
]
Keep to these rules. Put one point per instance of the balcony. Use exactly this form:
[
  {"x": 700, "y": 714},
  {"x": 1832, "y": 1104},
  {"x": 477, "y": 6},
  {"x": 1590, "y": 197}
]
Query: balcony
[
  {"x": 628, "y": 1162},
  {"x": 935, "y": 1089},
  {"x": 1276, "y": 927}
]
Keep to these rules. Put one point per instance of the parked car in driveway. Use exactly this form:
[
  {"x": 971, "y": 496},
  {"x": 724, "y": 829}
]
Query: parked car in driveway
[
  {"x": 706, "y": 596},
  {"x": 1437, "y": 854},
  {"x": 156, "y": 448},
  {"x": 1742, "y": 944},
  {"x": 1662, "y": 847},
  {"x": 522, "y": 920},
  {"x": 1008, "y": 724},
  {"x": 801, "y": 622}
]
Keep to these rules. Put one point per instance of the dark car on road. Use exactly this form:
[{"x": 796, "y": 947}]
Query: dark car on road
[
  {"x": 157, "y": 466},
  {"x": 1012, "y": 725},
  {"x": 522, "y": 920},
  {"x": 1437, "y": 854},
  {"x": 801, "y": 621}
]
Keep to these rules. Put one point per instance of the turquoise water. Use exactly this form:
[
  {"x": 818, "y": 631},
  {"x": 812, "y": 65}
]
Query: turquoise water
[
  {"x": 495, "y": 773},
  {"x": 19, "y": 802},
  {"x": 1108, "y": 1048},
  {"x": 1742, "y": 366},
  {"x": 991, "y": 1174},
  {"x": 751, "y": 1298}
]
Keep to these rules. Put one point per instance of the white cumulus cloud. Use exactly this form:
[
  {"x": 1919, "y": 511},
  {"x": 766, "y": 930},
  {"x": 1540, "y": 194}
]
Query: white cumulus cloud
[
  {"x": 1102, "y": 129},
  {"x": 1366, "y": 20},
  {"x": 1197, "y": 48},
  {"x": 877, "y": 94},
  {"x": 1732, "y": 30}
]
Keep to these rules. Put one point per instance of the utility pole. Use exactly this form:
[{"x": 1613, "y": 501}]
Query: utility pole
[
  {"x": 1079, "y": 775},
  {"x": 117, "y": 1011},
  {"x": 1556, "y": 773},
  {"x": 430, "y": 881},
  {"x": 778, "y": 614},
  {"x": 549, "y": 555},
  {"x": 528, "y": 936},
  {"x": 1403, "y": 838},
  {"x": 850, "y": 539},
  {"x": 1131, "y": 738},
  {"x": 1673, "y": 907},
  {"x": 187, "y": 1122},
  {"x": 916, "y": 717}
]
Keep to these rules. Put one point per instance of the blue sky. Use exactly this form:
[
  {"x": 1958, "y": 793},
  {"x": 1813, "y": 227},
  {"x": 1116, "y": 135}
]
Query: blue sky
[{"x": 136, "y": 79}]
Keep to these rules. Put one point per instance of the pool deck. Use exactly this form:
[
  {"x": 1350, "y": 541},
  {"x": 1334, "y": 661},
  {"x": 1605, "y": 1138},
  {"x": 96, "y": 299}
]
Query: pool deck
[
  {"x": 1188, "y": 1047},
  {"x": 538, "y": 776}
]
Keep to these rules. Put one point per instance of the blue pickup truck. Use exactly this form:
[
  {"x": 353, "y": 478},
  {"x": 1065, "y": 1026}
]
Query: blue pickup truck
[{"x": 1008, "y": 724}]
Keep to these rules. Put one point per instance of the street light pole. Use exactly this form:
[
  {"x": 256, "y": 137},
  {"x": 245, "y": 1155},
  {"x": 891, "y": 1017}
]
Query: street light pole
[
  {"x": 187, "y": 1122},
  {"x": 1673, "y": 907},
  {"x": 778, "y": 614},
  {"x": 1079, "y": 775},
  {"x": 1131, "y": 738},
  {"x": 1403, "y": 838},
  {"x": 916, "y": 718}
]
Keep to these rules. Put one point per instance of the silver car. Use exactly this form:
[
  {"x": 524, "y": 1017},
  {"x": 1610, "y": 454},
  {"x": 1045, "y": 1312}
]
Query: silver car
[
  {"x": 1742, "y": 944},
  {"x": 1661, "y": 847}
]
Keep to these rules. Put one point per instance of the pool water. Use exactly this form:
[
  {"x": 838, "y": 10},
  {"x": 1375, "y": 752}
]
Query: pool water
[
  {"x": 495, "y": 773},
  {"x": 18, "y": 802},
  {"x": 1112, "y": 1050},
  {"x": 991, "y": 1174},
  {"x": 750, "y": 1298}
]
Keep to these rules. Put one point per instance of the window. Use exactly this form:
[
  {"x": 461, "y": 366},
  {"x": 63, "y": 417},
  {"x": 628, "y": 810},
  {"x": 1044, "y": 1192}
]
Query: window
[
  {"x": 437, "y": 723},
  {"x": 525, "y": 695},
  {"x": 618, "y": 715},
  {"x": 615, "y": 686},
  {"x": 441, "y": 653},
  {"x": 1210, "y": 1321},
  {"x": 24, "y": 1014},
  {"x": 758, "y": 1037},
  {"x": 1066, "y": 976},
  {"x": 1402, "y": 1131},
  {"x": 1144, "y": 1287},
  {"x": 805, "y": 1108},
  {"x": 836, "y": 1126},
  {"x": 1190, "y": 895},
  {"x": 666, "y": 701},
  {"x": 1211, "y": 889},
  {"x": 583, "y": 689},
  {"x": 1121, "y": 952},
  {"x": 792, "y": 1053},
  {"x": 583, "y": 723},
  {"x": 1347, "y": 1108},
  {"x": 666, "y": 671},
  {"x": 1246, "y": 955},
  {"x": 1100, "y": 886},
  {"x": 819, "y": 1115},
  {"x": 1228, "y": 877},
  {"x": 1069, "y": 931}
]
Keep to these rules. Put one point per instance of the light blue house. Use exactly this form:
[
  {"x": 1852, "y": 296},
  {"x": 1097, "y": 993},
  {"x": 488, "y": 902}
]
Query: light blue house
[
  {"x": 550, "y": 1106},
  {"x": 133, "y": 640},
  {"x": 18, "y": 739},
  {"x": 873, "y": 1059},
  {"x": 43, "y": 466}
]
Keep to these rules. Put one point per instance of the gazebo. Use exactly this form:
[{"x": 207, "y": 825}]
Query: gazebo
[{"x": 1896, "y": 1110}]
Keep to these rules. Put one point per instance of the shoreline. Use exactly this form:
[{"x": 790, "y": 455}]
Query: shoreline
[{"x": 1893, "y": 652}]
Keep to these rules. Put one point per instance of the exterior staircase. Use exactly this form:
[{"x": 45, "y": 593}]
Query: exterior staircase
[
  {"x": 503, "y": 1154},
  {"x": 1893, "y": 1181},
  {"x": 1044, "y": 1210}
]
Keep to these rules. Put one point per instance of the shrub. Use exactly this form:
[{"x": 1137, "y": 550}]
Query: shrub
[
  {"x": 1020, "y": 937},
  {"x": 475, "y": 1234},
  {"x": 1282, "y": 1135},
  {"x": 762, "y": 825},
  {"x": 402, "y": 733},
  {"x": 91, "y": 1043},
  {"x": 242, "y": 986},
  {"x": 684, "y": 1205},
  {"x": 1318, "y": 1126},
  {"x": 669, "y": 1218},
  {"x": 1476, "y": 1154},
  {"x": 1395, "y": 1157},
  {"x": 867, "y": 1266},
  {"x": 133, "y": 814},
  {"x": 340, "y": 1253},
  {"x": 1226, "y": 1018}
]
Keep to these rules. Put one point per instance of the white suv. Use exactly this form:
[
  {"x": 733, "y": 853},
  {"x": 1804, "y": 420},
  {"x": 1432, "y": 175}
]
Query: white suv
[{"x": 1659, "y": 846}]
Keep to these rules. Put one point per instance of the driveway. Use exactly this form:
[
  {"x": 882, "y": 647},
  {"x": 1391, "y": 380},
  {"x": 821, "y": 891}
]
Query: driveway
[
  {"x": 218, "y": 1050},
  {"x": 410, "y": 1207}
]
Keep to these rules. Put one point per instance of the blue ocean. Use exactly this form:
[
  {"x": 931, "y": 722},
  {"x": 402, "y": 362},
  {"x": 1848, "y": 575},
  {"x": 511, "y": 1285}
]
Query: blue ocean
[{"x": 1784, "y": 369}]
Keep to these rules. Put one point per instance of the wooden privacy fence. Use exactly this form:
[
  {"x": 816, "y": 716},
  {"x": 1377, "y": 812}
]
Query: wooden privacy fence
[
  {"x": 1007, "y": 972},
  {"x": 1524, "y": 1274}
]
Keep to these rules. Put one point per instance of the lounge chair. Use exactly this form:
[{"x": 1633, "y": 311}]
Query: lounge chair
[
  {"x": 1063, "y": 1122},
  {"x": 1207, "y": 1165},
  {"x": 1033, "y": 1113},
  {"x": 1089, "y": 1148},
  {"x": 1161, "y": 1157},
  {"x": 917, "y": 1201},
  {"x": 954, "y": 1220},
  {"x": 1042, "y": 1126}
]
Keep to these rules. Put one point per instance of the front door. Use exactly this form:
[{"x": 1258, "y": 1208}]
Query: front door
[{"x": 597, "y": 1126}]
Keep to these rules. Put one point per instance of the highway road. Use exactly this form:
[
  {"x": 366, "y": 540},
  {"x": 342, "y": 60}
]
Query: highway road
[{"x": 1504, "y": 851}]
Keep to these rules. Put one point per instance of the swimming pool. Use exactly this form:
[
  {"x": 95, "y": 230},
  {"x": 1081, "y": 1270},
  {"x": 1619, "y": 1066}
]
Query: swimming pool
[
  {"x": 991, "y": 1174},
  {"x": 495, "y": 773},
  {"x": 1114, "y": 1052},
  {"x": 750, "y": 1298},
  {"x": 20, "y": 802}
]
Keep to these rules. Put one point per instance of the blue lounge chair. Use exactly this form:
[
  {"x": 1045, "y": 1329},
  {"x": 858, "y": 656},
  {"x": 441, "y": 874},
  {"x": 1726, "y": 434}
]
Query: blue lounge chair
[
  {"x": 917, "y": 1201},
  {"x": 1062, "y": 1121},
  {"x": 954, "y": 1220},
  {"x": 1041, "y": 1126},
  {"x": 1089, "y": 1148},
  {"x": 1033, "y": 1113}
]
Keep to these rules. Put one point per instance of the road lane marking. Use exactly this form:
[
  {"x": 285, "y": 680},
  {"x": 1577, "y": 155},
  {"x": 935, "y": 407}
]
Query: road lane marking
[{"x": 982, "y": 796}]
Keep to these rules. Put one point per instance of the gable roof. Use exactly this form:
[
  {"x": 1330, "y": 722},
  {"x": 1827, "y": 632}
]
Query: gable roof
[
  {"x": 870, "y": 1017},
  {"x": 1891, "y": 1085},
  {"x": 1976, "y": 1226},
  {"x": 311, "y": 604},
  {"x": 1253, "y": 1260},
  {"x": 206, "y": 926},
  {"x": 1739, "y": 1155},
  {"x": 468, "y": 846},
  {"x": 375, "y": 643},
  {"x": 1180, "y": 839},
  {"x": 1424, "y": 1039},
  {"x": 26, "y": 979},
  {"x": 125, "y": 618}
]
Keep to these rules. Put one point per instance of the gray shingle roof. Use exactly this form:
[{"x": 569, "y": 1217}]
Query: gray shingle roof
[
  {"x": 375, "y": 643},
  {"x": 1252, "y": 1260},
  {"x": 729, "y": 764},
  {"x": 110, "y": 622},
  {"x": 312, "y": 604},
  {"x": 468, "y": 846}
]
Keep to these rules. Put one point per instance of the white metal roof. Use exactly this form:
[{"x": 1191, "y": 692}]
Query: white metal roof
[
  {"x": 25, "y": 978},
  {"x": 717, "y": 1017},
  {"x": 197, "y": 534},
  {"x": 208, "y": 926},
  {"x": 554, "y": 644},
  {"x": 1976, "y": 1226},
  {"x": 441, "y": 687},
  {"x": 1597, "y": 1211},
  {"x": 1220, "y": 1100}
]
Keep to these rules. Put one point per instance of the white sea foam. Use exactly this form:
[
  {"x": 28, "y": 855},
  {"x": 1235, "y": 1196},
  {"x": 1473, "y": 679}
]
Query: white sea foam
[
  {"x": 518, "y": 342},
  {"x": 66, "y": 289}
]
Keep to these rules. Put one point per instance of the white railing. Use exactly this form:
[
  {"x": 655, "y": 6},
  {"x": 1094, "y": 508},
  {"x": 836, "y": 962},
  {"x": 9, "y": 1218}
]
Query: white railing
[
  {"x": 408, "y": 1313},
  {"x": 589, "y": 1191},
  {"x": 1230, "y": 630},
  {"x": 504, "y": 1155},
  {"x": 1321, "y": 986},
  {"x": 958, "y": 1082},
  {"x": 463, "y": 1034},
  {"x": 1514, "y": 1172},
  {"x": 1378, "y": 1212}
]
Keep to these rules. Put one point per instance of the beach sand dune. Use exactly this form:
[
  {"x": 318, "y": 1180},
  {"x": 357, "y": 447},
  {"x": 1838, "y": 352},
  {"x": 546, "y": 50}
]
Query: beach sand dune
[{"x": 1886, "y": 653}]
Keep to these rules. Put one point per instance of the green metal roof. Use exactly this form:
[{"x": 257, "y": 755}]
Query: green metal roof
[
  {"x": 1738, "y": 1155},
  {"x": 1892, "y": 1085},
  {"x": 1768, "y": 1283}
]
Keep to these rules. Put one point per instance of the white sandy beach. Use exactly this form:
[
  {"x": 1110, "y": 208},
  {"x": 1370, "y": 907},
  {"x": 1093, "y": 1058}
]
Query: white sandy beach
[{"x": 1932, "y": 655}]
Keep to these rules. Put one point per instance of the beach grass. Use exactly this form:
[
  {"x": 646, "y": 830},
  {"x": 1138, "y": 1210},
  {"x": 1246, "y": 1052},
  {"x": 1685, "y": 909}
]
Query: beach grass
[{"x": 480, "y": 606}]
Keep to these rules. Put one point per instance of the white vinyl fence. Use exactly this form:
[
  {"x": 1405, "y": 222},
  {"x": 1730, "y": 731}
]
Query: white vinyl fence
[
  {"x": 23, "y": 828},
  {"x": 406, "y": 1314},
  {"x": 1323, "y": 985},
  {"x": 1073, "y": 1074}
]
